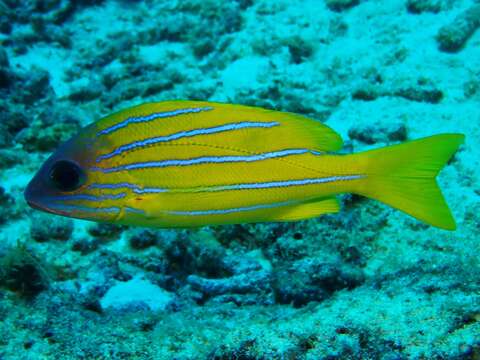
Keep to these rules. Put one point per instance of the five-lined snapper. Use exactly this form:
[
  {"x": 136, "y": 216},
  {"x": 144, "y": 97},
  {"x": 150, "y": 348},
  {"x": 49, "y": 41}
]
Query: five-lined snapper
[{"x": 191, "y": 163}]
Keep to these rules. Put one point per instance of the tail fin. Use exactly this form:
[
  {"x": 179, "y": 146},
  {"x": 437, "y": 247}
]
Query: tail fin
[{"x": 403, "y": 176}]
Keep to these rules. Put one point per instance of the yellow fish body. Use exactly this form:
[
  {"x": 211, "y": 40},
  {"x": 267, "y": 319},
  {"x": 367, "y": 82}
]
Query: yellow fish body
[{"x": 191, "y": 163}]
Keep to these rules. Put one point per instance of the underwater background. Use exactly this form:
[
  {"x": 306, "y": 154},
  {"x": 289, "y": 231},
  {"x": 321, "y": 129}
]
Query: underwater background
[{"x": 367, "y": 283}]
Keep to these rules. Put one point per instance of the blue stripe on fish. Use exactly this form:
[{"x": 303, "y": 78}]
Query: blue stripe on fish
[
  {"x": 185, "y": 134},
  {"x": 89, "y": 197},
  {"x": 114, "y": 186},
  {"x": 134, "y": 210},
  {"x": 150, "y": 190},
  {"x": 203, "y": 160},
  {"x": 151, "y": 117},
  {"x": 135, "y": 188},
  {"x": 245, "y": 186},
  {"x": 285, "y": 183},
  {"x": 233, "y": 210},
  {"x": 112, "y": 209}
]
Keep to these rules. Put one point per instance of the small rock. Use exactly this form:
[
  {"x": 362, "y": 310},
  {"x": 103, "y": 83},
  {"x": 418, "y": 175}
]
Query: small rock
[
  {"x": 340, "y": 5},
  {"x": 367, "y": 93},
  {"x": 397, "y": 132},
  {"x": 9, "y": 158},
  {"x": 191, "y": 253},
  {"x": 40, "y": 137},
  {"x": 252, "y": 282},
  {"x": 5, "y": 137},
  {"x": 45, "y": 227},
  {"x": 5, "y": 78},
  {"x": 266, "y": 299},
  {"x": 63, "y": 12},
  {"x": 6, "y": 205},
  {"x": 92, "y": 303},
  {"x": 130, "y": 294},
  {"x": 87, "y": 93},
  {"x": 36, "y": 86},
  {"x": 471, "y": 88},
  {"x": 421, "y": 92},
  {"x": 300, "y": 49},
  {"x": 46, "y": 5},
  {"x": 420, "y": 6},
  {"x": 50, "y": 128},
  {"x": 452, "y": 37},
  {"x": 372, "y": 134},
  {"x": 426, "y": 94},
  {"x": 85, "y": 246},
  {"x": 59, "y": 114},
  {"x": 203, "y": 47},
  {"x": 236, "y": 264},
  {"x": 22, "y": 272},
  {"x": 105, "y": 231},
  {"x": 5, "y": 25},
  {"x": 28, "y": 344},
  {"x": 288, "y": 248},
  {"x": 143, "y": 239},
  {"x": 3, "y": 58},
  {"x": 13, "y": 121},
  {"x": 312, "y": 279}
]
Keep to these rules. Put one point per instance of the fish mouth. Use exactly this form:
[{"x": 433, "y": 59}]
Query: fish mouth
[
  {"x": 50, "y": 210},
  {"x": 32, "y": 197}
]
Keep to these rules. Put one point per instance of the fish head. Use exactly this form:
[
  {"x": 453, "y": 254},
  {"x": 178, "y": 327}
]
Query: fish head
[{"x": 60, "y": 184}]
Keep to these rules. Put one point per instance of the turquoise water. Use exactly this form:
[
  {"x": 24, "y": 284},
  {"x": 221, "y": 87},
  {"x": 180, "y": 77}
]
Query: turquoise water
[{"x": 367, "y": 283}]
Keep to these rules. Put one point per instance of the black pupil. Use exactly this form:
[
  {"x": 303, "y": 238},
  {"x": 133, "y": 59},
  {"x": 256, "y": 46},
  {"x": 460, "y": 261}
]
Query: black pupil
[{"x": 66, "y": 175}]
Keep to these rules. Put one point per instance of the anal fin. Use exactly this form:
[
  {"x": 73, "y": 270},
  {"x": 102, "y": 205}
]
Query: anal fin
[{"x": 309, "y": 210}]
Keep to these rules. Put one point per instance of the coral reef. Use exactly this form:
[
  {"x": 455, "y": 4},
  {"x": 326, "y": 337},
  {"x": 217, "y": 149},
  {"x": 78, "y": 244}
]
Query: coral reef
[{"x": 366, "y": 283}]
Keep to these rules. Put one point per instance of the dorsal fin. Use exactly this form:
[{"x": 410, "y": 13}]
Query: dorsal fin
[{"x": 285, "y": 130}]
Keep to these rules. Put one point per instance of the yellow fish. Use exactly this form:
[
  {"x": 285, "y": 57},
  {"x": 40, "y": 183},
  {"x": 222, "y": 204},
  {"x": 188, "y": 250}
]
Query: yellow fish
[{"x": 192, "y": 163}]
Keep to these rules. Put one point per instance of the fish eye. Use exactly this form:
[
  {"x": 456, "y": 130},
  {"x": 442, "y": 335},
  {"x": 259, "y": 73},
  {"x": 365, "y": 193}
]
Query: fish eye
[{"x": 66, "y": 175}]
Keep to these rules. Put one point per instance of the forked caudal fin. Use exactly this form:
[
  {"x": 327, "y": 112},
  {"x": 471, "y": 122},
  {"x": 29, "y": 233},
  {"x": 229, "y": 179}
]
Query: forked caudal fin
[{"x": 403, "y": 176}]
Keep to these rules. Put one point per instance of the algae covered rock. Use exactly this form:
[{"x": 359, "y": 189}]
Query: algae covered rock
[
  {"x": 36, "y": 85},
  {"x": 50, "y": 128},
  {"x": 420, "y": 6},
  {"x": 44, "y": 227},
  {"x": 143, "y": 239},
  {"x": 105, "y": 231},
  {"x": 6, "y": 205},
  {"x": 22, "y": 272},
  {"x": 453, "y": 36},
  {"x": 340, "y": 5},
  {"x": 375, "y": 133},
  {"x": 247, "y": 283},
  {"x": 193, "y": 253},
  {"x": 39, "y": 138},
  {"x": 4, "y": 58},
  {"x": 10, "y": 158},
  {"x": 5, "y": 137},
  {"x": 85, "y": 245},
  {"x": 14, "y": 121},
  {"x": 312, "y": 279}
]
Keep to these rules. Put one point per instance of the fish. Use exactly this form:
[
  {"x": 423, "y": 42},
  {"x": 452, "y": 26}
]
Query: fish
[{"x": 198, "y": 163}]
